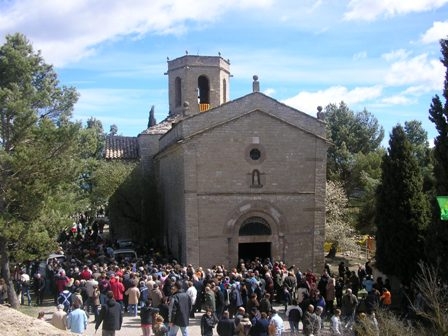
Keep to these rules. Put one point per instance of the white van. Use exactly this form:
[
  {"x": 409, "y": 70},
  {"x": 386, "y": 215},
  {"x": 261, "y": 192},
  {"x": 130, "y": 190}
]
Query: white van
[
  {"x": 59, "y": 257},
  {"x": 125, "y": 254},
  {"x": 43, "y": 263}
]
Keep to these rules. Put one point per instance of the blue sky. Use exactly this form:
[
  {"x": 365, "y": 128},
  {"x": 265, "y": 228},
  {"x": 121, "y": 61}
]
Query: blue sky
[{"x": 382, "y": 55}]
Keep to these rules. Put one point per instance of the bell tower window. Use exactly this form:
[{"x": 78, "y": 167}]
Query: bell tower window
[
  {"x": 178, "y": 91},
  {"x": 224, "y": 91},
  {"x": 203, "y": 90}
]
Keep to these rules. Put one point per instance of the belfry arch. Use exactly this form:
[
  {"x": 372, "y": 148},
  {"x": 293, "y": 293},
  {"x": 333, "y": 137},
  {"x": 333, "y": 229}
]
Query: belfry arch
[
  {"x": 255, "y": 229},
  {"x": 203, "y": 90}
]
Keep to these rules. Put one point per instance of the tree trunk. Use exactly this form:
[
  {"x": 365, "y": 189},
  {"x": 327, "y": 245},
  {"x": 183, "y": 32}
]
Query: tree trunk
[{"x": 6, "y": 273}]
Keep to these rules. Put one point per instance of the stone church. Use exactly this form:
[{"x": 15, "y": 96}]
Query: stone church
[{"x": 238, "y": 178}]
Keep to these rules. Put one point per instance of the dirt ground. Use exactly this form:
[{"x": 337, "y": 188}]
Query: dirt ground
[{"x": 15, "y": 323}]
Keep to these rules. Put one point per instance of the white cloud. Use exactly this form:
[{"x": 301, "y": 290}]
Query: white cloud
[
  {"x": 439, "y": 30},
  {"x": 396, "y": 55},
  {"x": 269, "y": 91},
  {"x": 308, "y": 101},
  {"x": 369, "y": 10},
  {"x": 67, "y": 31},
  {"x": 416, "y": 70},
  {"x": 396, "y": 100},
  {"x": 359, "y": 56},
  {"x": 417, "y": 90}
]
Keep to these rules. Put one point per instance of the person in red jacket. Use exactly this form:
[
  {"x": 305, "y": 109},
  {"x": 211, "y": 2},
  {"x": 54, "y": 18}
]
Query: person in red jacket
[
  {"x": 117, "y": 288},
  {"x": 60, "y": 281},
  {"x": 86, "y": 273},
  {"x": 386, "y": 298}
]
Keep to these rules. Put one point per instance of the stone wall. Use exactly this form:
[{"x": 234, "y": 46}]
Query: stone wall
[
  {"x": 171, "y": 182},
  {"x": 218, "y": 182}
]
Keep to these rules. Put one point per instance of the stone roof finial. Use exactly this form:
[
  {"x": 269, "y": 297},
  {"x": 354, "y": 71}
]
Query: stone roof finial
[
  {"x": 320, "y": 114},
  {"x": 255, "y": 84}
]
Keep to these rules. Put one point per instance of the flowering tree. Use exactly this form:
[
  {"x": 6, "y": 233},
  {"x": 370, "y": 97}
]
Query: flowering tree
[{"x": 338, "y": 230}]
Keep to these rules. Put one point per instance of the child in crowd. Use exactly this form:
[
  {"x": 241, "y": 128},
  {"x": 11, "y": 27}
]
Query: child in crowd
[
  {"x": 159, "y": 328},
  {"x": 147, "y": 313},
  {"x": 41, "y": 315}
]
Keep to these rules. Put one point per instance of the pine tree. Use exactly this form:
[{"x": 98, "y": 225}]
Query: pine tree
[
  {"x": 38, "y": 151},
  {"x": 350, "y": 134},
  {"x": 402, "y": 210},
  {"x": 437, "y": 240}
]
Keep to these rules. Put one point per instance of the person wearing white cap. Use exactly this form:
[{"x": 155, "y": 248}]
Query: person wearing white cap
[{"x": 59, "y": 318}]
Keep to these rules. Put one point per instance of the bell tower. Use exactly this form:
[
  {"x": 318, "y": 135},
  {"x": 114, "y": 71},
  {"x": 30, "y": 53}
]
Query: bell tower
[{"x": 201, "y": 81}]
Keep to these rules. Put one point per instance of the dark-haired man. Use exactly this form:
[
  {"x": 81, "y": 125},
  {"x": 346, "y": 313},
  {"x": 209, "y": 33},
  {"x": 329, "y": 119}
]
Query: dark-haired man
[
  {"x": 110, "y": 315},
  {"x": 179, "y": 310}
]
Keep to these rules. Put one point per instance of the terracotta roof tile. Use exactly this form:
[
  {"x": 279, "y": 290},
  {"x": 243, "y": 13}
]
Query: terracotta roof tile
[{"x": 121, "y": 147}]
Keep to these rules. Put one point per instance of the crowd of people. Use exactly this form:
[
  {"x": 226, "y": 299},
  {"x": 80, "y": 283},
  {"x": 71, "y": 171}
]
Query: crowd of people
[{"x": 165, "y": 294}]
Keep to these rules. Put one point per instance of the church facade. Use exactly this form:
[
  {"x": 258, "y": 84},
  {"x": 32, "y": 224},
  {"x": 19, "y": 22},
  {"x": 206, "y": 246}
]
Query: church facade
[{"x": 237, "y": 179}]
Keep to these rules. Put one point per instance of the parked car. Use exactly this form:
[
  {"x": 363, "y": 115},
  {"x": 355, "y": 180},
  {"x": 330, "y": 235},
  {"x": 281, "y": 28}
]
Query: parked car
[
  {"x": 125, "y": 243},
  {"x": 43, "y": 263},
  {"x": 125, "y": 254},
  {"x": 59, "y": 257}
]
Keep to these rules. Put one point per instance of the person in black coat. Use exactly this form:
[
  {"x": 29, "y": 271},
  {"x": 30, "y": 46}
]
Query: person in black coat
[
  {"x": 110, "y": 315},
  {"x": 39, "y": 288},
  {"x": 226, "y": 326},
  {"x": 164, "y": 309},
  {"x": 208, "y": 322},
  {"x": 219, "y": 301},
  {"x": 260, "y": 326},
  {"x": 179, "y": 312}
]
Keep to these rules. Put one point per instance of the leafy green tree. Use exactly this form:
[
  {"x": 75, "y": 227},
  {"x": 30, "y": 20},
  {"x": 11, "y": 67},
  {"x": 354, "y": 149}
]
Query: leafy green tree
[
  {"x": 125, "y": 204},
  {"x": 367, "y": 170},
  {"x": 100, "y": 178},
  {"x": 92, "y": 139},
  {"x": 418, "y": 138},
  {"x": 354, "y": 159},
  {"x": 38, "y": 150},
  {"x": 402, "y": 210},
  {"x": 350, "y": 133},
  {"x": 106, "y": 178},
  {"x": 113, "y": 130},
  {"x": 437, "y": 240}
]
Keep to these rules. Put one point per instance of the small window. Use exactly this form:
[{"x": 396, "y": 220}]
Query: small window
[
  {"x": 256, "y": 179},
  {"x": 178, "y": 91},
  {"x": 255, "y": 154},
  {"x": 224, "y": 91}
]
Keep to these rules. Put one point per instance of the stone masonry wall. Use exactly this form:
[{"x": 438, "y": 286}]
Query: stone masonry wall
[{"x": 217, "y": 181}]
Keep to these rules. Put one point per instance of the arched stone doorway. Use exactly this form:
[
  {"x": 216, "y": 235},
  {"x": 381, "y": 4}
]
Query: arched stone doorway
[
  {"x": 255, "y": 228},
  {"x": 259, "y": 231}
]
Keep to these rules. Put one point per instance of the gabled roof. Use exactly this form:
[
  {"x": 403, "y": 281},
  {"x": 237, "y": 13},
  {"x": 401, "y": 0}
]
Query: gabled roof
[
  {"x": 232, "y": 110},
  {"x": 121, "y": 147},
  {"x": 164, "y": 126}
]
